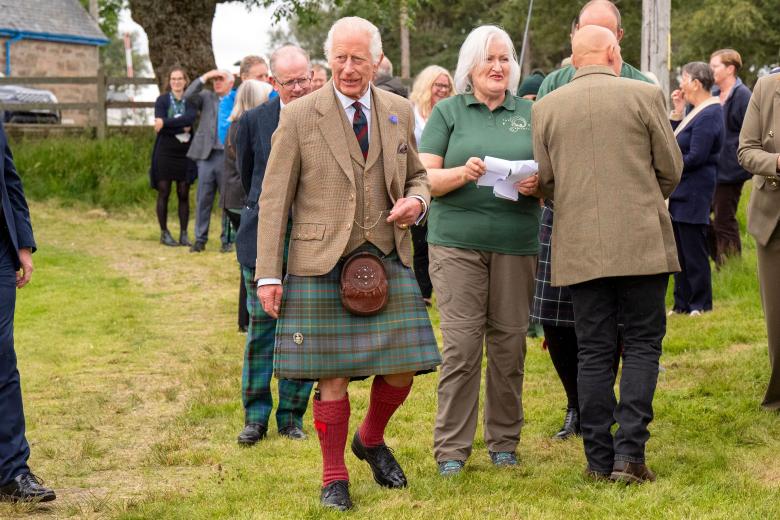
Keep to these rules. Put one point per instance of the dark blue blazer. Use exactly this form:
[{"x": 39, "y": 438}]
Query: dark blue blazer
[
  {"x": 729, "y": 170},
  {"x": 700, "y": 143},
  {"x": 253, "y": 146},
  {"x": 15, "y": 215}
]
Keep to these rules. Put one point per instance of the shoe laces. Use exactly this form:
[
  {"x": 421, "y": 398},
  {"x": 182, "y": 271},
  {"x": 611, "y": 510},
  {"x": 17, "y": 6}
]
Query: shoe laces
[
  {"x": 451, "y": 466},
  {"x": 504, "y": 457},
  {"x": 31, "y": 478}
]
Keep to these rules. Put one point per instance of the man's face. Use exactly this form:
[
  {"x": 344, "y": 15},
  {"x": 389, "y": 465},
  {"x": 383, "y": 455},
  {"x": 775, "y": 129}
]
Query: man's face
[
  {"x": 222, "y": 84},
  {"x": 292, "y": 79},
  {"x": 258, "y": 71},
  {"x": 351, "y": 63},
  {"x": 319, "y": 78}
]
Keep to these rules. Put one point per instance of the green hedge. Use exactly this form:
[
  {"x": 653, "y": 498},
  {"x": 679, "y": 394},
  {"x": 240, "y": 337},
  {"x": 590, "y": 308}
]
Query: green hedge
[{"x": 111, "y": 173}]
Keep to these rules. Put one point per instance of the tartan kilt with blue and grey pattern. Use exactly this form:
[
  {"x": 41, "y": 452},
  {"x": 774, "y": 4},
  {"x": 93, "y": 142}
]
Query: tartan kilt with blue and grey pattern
[
  {"x": 317, "y": 338},
  {"x": 551, "y": 305}
]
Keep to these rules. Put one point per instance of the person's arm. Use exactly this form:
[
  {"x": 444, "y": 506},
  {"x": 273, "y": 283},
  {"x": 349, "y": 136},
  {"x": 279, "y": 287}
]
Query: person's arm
[
  {"x": 245, "y": 153},
  {"x": 542, "y": 154},
  {"x": 667, "y": 158},
  {"x": 751, "y": 153},
  {"x": 20, "y": 213},
  {"x": 193, "y": 91}
]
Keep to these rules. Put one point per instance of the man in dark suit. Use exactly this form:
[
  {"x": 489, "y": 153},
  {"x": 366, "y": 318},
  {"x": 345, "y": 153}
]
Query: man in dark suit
[
  {"x": 292, "y": 79},
  {"x": 16, "y": 247}
]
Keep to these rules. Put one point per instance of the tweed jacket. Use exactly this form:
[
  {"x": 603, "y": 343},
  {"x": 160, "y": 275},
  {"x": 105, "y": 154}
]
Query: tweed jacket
[
  {"x": 310, "y": 170},
  {"x": 14, "y": 213},
  {"x": 609, "y": 188},
  {"x": 759, "y": 147},
  {"x": 207, "y": 103}
]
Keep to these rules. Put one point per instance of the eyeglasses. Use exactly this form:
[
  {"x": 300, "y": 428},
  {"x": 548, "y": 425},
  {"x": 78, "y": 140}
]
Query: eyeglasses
[
  {"x": 442, "y": 86},
  {"x": 289, "y": 85}
]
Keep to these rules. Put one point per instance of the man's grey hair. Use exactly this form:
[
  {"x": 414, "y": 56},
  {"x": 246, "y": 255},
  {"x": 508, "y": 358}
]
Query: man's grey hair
[
  {"x": 285, "y": 51},
  {"x": 354, "y": 24},
  {"x": 386, "y": 67},
  {"x": 473, "y": 53}
]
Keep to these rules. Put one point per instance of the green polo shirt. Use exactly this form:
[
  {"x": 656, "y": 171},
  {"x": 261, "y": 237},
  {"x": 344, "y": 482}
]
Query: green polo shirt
[
  {"x": 471, "y": 217},
  {"x": 564, "y": 75}
]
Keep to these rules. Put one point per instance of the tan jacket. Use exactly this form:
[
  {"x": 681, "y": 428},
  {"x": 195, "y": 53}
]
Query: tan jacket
[
  {"x": 608, "y": 158},
  {"x": 759, "y": 147},
  {"x": 311, "y": 170}
]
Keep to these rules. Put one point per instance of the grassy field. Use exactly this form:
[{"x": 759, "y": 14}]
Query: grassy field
[{"x": 131, "y": 367}]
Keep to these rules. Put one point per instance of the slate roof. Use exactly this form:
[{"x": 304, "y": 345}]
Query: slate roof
[{"x": 52, "y": 17}]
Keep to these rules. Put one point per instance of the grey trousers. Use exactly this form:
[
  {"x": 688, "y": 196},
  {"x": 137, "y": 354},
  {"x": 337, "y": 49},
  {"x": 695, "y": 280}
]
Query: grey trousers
[
  {"x": 484, "y": 302},
  {"x": 769, "y": 282},
  {"x": 209, "y": 174}
]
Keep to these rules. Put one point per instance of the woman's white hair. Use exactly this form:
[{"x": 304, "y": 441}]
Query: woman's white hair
[
  {"x": 355, "y": 24},
  {"x": 474, "y": 52},
  {"x": 250, "y": 94}
]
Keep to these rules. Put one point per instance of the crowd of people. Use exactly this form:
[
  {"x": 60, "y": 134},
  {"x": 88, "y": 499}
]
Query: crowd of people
[{"x": 352, "y": 206}]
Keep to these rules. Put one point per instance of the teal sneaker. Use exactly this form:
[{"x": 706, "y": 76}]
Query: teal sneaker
[
  {"x": 450, "y": 468},
  {"x": 503, "y": 458}
]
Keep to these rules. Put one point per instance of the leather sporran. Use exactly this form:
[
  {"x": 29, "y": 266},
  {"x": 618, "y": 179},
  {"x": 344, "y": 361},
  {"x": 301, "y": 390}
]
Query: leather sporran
[{"x": 364, "y": 284}]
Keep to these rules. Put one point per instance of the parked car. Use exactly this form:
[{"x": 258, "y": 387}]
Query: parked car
[{"x": 12, "y": 94}]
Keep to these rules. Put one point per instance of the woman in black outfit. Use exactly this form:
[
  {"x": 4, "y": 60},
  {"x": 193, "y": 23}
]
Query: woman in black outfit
[{"x": 173, "y": 123}]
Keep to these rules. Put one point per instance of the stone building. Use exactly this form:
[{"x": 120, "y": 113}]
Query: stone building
[{"x": 51, "y": 38}]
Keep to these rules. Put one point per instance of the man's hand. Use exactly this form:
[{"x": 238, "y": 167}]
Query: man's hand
[
  {"x": 158, "y": 124},
  {"x": 405, "y": 212},
  {"x": 472, "y": 170},
  {"x": 270, "y": 297},
  {"x": 24, "y": 274},
  {"x": 529, "y": 186}
]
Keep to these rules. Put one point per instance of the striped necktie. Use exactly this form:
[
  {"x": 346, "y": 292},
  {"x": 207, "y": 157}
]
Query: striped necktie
[{"x": 360, "y": 126}]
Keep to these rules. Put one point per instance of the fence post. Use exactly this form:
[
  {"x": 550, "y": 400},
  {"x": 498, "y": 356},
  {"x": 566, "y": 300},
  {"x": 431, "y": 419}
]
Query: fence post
[{"x": 101, "y": 103}]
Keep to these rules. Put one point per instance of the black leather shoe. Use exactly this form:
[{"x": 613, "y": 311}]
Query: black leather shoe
[
  {"x": 26, "y": 488},
  {"x": 166, "y": 239},
  {"x": 631, "y": 472},
  {"x": 293, "y": 432},
  {"x": 184, "y": 240},
  {"x": 198, "y": 247},
  {"x": 252, "y": 433},
  {"x": 571, "y": 425},
  {"x": 386, "y": 470},
  {"x": 336, "y": 496}
]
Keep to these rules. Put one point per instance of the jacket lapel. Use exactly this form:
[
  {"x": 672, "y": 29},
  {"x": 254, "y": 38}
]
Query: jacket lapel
[
  {"x": 270, "y": 125},
  {"x": 332, "y": 128},
  {"x": 389, "y": 136}
]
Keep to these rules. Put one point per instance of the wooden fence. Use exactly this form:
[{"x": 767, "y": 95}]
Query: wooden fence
[{"x": 100, "y": 106}]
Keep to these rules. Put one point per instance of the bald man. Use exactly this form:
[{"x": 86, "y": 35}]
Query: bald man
[
  {"x": 552, "y": 307},
  {"x": 612, "y": 240}
]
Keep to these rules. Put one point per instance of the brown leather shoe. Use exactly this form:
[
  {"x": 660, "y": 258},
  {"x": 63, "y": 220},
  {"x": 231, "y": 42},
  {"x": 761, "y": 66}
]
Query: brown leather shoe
[
  {"x": 631, "y": 472},
  {"x": 594, "y": 475}
]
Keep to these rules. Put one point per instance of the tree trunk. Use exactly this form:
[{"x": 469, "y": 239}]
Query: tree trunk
[
  {"x": 404, "y": 22},
  {"x": 179, "y": 33},
  {"x": 656, "y": 15}
]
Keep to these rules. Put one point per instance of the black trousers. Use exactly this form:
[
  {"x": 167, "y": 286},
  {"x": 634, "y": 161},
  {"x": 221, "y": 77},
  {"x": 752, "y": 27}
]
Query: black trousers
[
  {"x": 693, "y": 284},
  {"x": 639, "y": 301},
  {"x": 420, "y": 259},
  {"x": 724, "y": 231},
  {"x": 243, "y": 313},
  {"x": 14, "y": 450}
]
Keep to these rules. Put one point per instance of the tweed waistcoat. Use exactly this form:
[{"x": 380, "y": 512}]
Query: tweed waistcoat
[{"x": 372, "y": 204}]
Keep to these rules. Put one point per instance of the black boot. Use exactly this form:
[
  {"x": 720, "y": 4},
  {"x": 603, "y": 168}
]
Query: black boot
[
  {"x": 571, "y": 425},
  {"x": 184, "y": 240},
  {"x": 166, "y": 238}
]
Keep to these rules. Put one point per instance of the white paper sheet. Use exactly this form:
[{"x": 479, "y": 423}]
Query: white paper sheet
[{"x": 502, "y": 175}]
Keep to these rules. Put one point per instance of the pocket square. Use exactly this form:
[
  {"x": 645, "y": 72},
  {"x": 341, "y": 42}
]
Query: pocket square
[{"x": 402, "y": 148}]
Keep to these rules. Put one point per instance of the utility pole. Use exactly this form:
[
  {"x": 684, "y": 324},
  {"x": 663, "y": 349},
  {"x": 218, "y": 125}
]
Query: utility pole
[
  {"x": 93, "y": 9},
  {"x": 656, "y": 40},
  {"x": 404, "y": 23}
]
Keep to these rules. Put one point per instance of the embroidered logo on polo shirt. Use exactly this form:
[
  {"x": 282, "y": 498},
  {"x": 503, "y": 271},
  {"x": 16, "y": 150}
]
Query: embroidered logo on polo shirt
[{"x": 516, "y": 123}]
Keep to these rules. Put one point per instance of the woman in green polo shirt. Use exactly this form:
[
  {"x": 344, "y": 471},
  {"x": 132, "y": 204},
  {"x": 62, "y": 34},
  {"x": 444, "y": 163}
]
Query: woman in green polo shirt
[{"x": 482, "y": 250}]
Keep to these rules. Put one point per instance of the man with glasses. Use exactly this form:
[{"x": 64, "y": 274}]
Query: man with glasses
[{"x": 291, "y": 79}]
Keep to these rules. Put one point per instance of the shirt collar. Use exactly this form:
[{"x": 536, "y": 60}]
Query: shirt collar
[
  {"x": 346, "y": 102},
  {"x": 281, "y": 103},
  {"x": 508, "y": 104}
]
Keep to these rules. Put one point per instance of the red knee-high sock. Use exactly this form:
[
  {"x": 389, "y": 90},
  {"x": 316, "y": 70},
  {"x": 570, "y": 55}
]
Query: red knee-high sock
[
  {"x": 385, "y": 400},
  {"x": 331, "y": 420}
]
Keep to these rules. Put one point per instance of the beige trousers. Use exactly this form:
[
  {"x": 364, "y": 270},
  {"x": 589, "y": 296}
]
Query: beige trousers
[
  {"x": 484, "y": 300},
  {"x": 769, "y": 281}
]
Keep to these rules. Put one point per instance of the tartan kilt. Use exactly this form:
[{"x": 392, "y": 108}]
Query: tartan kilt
[
  {"x": 551, "y": 305},
  {"x": 336, "y": 343}
]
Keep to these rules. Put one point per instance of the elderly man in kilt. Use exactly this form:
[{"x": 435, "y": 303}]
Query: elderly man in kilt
[{"x": 345, "y": 160}]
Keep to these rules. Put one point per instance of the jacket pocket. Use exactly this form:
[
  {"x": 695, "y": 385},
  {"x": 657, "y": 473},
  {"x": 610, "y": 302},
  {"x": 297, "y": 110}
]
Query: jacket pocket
[{"x": 306, "y": 231}]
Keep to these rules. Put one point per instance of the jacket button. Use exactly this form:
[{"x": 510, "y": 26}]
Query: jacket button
[
  {"x": 351, "y": 196},
  {"x": 349, "y": 226}
]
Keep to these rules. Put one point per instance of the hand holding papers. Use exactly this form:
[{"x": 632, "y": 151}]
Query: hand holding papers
[{"x": 502, "y": 175}]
